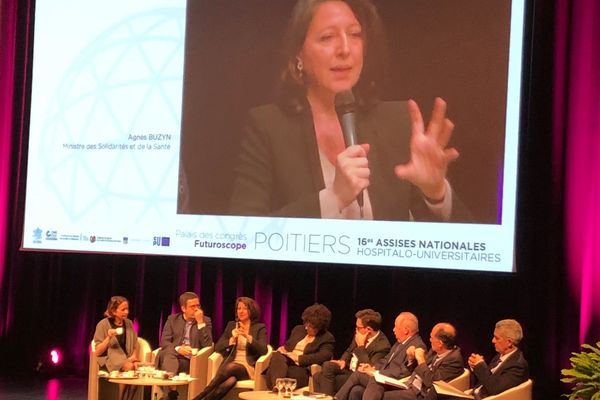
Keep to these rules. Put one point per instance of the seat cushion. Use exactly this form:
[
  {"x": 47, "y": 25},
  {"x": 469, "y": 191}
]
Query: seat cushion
[{"x": 245, "y": 384}]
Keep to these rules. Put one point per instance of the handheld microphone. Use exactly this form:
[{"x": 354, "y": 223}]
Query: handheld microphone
[
  {"x": 237, "y": 326},
  {"x": 345, "y": 108}
]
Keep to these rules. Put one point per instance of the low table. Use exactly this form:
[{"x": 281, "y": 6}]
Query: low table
[
  {"x": 270, "y": 395},
  {"x": 146, "y": 381},
  {"x": 150, "y": 381}
]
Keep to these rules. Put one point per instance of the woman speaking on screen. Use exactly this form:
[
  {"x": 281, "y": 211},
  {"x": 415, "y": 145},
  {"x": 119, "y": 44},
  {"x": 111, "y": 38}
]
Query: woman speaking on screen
[{"x": 382, "y": 162}]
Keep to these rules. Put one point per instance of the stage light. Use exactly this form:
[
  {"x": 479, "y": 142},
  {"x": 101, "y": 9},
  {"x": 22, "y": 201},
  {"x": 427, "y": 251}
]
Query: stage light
[
  {"x": 55, "y": 357},
  {"x": 51, "y": 363}
]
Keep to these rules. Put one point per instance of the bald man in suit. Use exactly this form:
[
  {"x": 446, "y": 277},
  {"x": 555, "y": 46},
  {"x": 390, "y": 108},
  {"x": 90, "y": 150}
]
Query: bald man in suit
[
  {"x": 406, "y": 330},
  {"x": 443, "y": 362}
]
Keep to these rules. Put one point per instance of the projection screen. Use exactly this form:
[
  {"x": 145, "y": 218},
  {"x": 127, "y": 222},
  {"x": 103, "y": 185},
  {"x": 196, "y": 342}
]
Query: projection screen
[{"x": 139, "y": 112}]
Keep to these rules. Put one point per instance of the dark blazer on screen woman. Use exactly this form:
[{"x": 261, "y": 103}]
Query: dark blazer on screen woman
[
  {"x": 254, "y": 350},
  {"x": 279, "y": 170}
]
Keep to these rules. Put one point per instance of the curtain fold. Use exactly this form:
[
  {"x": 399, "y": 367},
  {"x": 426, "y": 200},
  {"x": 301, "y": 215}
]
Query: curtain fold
[
  {"x": 8, "y": 48},
  {"x": 577, "y": 145}
]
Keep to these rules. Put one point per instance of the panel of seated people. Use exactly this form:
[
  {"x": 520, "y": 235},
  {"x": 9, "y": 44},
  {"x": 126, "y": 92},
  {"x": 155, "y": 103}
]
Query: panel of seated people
[{"x": 371, "y": 367}]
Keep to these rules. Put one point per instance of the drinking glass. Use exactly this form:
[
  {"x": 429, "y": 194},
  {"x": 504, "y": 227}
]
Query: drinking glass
[
  {"x": 279, "y": 384},
  {"x": 286, "y": 384},
  {"x": 293, "y": 384}
]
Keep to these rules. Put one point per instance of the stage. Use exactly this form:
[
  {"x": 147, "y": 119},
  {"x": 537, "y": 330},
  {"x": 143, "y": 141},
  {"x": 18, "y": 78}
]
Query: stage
[{"x": 37, "y": 387}]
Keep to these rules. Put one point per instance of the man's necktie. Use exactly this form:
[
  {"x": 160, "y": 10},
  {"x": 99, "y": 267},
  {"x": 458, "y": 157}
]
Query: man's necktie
[
  {"x": 392, "y": 355},
  {"x": 494, "y": 364}
]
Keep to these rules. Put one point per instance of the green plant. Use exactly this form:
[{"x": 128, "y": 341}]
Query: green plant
[{"x": 584, "y": 373}]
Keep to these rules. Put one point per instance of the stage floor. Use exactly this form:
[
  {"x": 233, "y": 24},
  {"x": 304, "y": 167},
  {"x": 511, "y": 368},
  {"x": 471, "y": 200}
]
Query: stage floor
[{"x": 39, "y": 388}]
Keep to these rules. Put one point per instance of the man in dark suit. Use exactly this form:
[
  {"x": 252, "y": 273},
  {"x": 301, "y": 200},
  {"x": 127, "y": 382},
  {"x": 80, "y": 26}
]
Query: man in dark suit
[
  {"x": 507, "y": 369},
  {"x": 406, "y": 330},
  {"x": 443, "y": 362},
  {"x": 368, "y": 346},
  {"x": 183, "y": 334}
]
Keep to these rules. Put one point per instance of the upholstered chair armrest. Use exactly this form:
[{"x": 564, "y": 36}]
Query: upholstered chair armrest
[
  {"x": 463, "y": 381},
  {"x": 520, "y": 392},
  {"x": 199, "y": 370},
  {"x": 214, "y": 362},
  {"x": 260, "y": 383}
]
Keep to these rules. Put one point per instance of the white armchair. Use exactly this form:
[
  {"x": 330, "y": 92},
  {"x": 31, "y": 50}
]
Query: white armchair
[
  {"x": 257, "y": 382},
  {"x": 462, "y": 382},
  {"x": 101, "y": 388},
  {"x": 314, "y": 368},
  {"x": 198, "y": 370},
  {"x": 520, "y": 392}
]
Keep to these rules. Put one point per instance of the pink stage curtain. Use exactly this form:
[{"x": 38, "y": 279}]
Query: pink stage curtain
[
  {"x": 577, "y": 152},
  {"x": 8, "y": 49}
]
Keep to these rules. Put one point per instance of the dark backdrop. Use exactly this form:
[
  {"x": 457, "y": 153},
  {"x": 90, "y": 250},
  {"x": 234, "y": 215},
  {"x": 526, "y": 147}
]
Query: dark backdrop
[{"x": 56, "y": 299}]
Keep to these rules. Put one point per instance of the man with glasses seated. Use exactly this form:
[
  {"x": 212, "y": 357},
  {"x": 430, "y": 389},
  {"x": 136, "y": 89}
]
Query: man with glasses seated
[
  {"x": 406, "y": 330},
  {"x": 368, "y": 346},
  {"x": 187, "y": 330}
]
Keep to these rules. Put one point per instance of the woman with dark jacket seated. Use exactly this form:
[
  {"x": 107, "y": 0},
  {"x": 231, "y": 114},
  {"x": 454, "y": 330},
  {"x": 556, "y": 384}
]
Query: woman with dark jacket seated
[
  {"x": 242, "y": 343},
  {"x": 308, "y": 344}
]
